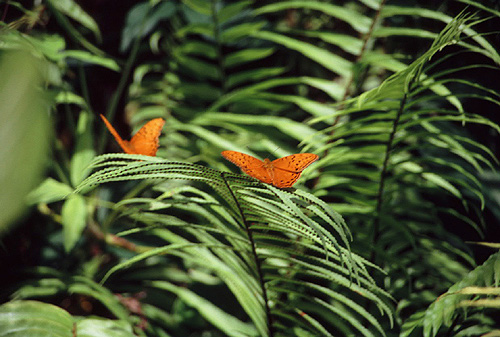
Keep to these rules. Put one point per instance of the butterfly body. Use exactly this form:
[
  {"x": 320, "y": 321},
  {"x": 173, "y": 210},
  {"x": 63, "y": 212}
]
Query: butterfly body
[
  {"x": 145, "y": 141},
  {"x": 282, "y": 172}
]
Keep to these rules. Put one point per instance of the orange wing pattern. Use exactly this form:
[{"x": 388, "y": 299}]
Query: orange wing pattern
[
  {"x": 250, "y": 165},
  {"x": 282, "y": 172},
  {"x": 287, "y": 170},
  {"x": 145, "y": 141}
]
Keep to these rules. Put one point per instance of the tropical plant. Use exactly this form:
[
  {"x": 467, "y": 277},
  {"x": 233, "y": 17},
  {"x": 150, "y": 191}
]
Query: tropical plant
[{"x": 370, "y": 243}]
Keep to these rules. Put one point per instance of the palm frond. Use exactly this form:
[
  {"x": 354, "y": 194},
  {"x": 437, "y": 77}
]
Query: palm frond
[
  {"x": 268, "y": 243},
  {"x": 478, "y": 289}
]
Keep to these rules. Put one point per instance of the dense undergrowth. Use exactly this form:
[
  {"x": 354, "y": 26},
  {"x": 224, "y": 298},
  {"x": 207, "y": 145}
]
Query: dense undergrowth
[{"x": 392, "y": 232}]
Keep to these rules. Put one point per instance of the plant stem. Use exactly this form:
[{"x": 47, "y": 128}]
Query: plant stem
[
  {"x": 256, "y": 258},
  {"x": 6, "y": 7},
  {"x": 84, "y": 86},
  {"x": 220, "y": 58},
  {"x": 383, "y": 176},
  {"x": 348, "y": 92},
  {"x": 111, "y": 110},
  {"x": 366, "y": 39}
]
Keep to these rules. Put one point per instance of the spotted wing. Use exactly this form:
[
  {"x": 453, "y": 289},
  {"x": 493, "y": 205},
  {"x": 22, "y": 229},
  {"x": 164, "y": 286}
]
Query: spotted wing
[
  {"x": 250, "y": 165},
  {"x": 146, "y": 140},
  {"x": 287, "y": 170}
]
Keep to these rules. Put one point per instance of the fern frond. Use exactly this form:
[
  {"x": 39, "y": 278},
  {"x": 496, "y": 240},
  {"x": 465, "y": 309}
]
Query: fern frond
[
  {"x": 472, "y": 291},
  {"x": 265, "y": 236}
]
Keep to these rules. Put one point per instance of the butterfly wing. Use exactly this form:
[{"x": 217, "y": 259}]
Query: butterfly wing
[
  {"x": 123, "y": 143},
  {"x": 146, "y": 140},
  {"x": 287, "y": 170},
  {"x": 250, "y": 165}
]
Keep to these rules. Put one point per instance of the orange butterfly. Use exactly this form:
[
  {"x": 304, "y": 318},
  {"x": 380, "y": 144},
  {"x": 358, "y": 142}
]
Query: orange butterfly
[
  {"x": 145, "y": 141},
  {"x": 282, "y": 172}
]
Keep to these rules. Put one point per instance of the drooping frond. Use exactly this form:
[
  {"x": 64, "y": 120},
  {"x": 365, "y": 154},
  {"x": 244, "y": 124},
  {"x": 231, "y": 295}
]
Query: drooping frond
[{"x": 283, "y": 254}]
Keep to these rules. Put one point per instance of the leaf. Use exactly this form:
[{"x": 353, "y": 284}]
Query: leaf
[
  {"x": 441, "y": 182},
  {"x": 199, "y": 48},
  {"x": 253, "y": 75},
  {"x": 348, "y": 43},
  {"x": 197, "y": 68},
  {"x": 67, "y": 97},
  {"x": 88, "y": 58},
  {"x": 327, "y": 59},
  {"x": 358, "y": 21},
  {"x": 200, "y": 6},
  {"x": 442, "y": 311},
  {"x": 32, "y": 318},
  {"x": 230, "y": 325},
  {"x": 398, "y": 31},
  {"x": 50, "y": 190},
  {"x": 142, "y": 19},
  {"x": 247, "y": 55},
  {"x": 73, "y": 33},
  {"x": 74, "y": 220},
  {"x": 198, "y": 91},
  {"x": 94, "y": 327},
  {"x": 24, "y": 131},
  {"x": 232, "y": 10},
  {"x": 84, "y": 149},
  {"x": 286, "y": 126},
  {"x": 334, "y": 90},
  {"x": 269, "y": 210},
  {"x": 74, "y": 11},
  {"x": 235, "y": 33}
]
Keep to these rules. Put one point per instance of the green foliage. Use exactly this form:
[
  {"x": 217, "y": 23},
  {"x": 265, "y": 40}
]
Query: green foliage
[
  {"x": 472, "y": 292},
  {"x": 300, "y": 236},
  {"x": 32, "y": 318},
  {"x": 371, "y": 242},
  {"x": 24, "y": 130}
]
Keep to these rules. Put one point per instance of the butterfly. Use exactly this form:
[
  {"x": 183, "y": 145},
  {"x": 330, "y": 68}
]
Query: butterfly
[
  {"x": 144, "y": 142},
  {"x": 282, "y": 172}
]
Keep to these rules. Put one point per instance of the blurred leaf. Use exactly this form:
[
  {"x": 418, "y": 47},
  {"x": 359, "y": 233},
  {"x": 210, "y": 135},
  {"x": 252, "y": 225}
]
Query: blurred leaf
[
  {"x": 232, "y": 10},
  {"x": 74, "y": 220},
  {"x": 227, "y": 323},
  {"x": 67, "y": 97},
  {"x": 444, "y": 310},
  {"x": 74, "y": 11},
  {"x": 358, "y": 21},
  {"x": 322, "y": 56},
  {"x": 31, "y": 318},
  {"x": 84, "y": 148},
  {"x": 200, "y": 6},
  {"x": 442, "y": 182},
  {"x": 198, "y": 68},
  {"x": 24, "y": 131},
  {"x": 94, "y": 327},
  {"x": 49, "y": 191},
  {"x": 235, "y": 33},
  {"x": 87, "y": 58},
  {"x": 348, "y": 43},
  {"x": 71, "y": 31},
  {"x": 142, "y": 19},
  {"x": 200, "y": 48},
  {"x": 247, "y": 55},
  {"x": 253, "y": 75},
  {"x": 397, "y": 31}
]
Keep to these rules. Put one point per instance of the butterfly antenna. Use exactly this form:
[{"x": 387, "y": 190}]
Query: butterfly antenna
[
  {"x": 276, "y": 150},
  {"x": 115, "y": 134}
]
